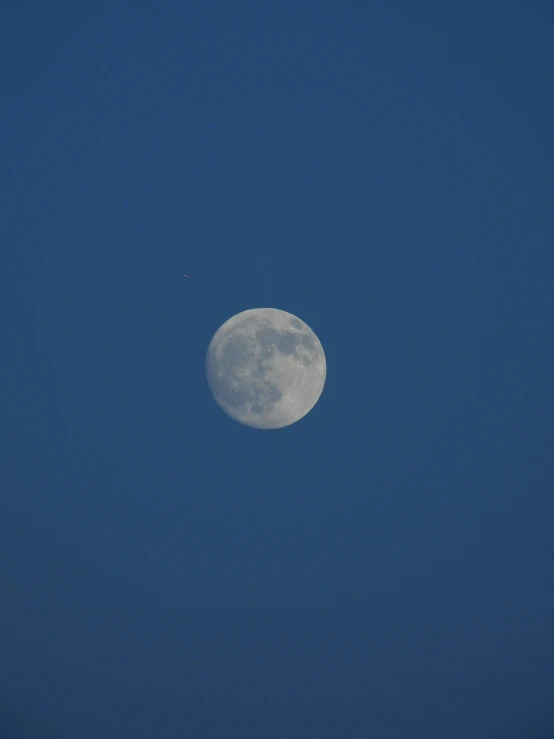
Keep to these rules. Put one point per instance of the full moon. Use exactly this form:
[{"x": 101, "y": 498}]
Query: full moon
[{"x": 266, "y": 368}]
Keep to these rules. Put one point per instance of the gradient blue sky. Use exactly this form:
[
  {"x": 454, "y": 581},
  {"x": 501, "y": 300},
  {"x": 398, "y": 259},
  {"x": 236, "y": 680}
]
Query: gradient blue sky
[{"x": 384, "y": 568}]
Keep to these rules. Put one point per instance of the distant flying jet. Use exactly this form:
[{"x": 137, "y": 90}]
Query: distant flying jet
[{"x": 186, "y": 276}]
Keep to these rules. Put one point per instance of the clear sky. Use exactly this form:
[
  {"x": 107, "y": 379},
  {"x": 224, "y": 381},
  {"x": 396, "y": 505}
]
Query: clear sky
[{"x": 382, "y": 569}]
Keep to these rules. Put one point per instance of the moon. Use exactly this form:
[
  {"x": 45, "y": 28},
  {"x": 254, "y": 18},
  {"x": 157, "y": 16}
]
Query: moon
[{"x": 266, "y": 368}]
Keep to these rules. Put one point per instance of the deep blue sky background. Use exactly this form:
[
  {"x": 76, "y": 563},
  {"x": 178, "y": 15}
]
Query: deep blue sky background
[{"x": 385, "y": 567}]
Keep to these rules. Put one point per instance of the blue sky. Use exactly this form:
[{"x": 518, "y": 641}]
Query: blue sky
[{"x": 384, "y": 567}]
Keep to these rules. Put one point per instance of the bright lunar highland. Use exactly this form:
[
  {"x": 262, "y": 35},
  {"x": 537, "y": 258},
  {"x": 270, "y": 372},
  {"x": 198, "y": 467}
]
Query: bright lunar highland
[{"x": 266, "y": 368}]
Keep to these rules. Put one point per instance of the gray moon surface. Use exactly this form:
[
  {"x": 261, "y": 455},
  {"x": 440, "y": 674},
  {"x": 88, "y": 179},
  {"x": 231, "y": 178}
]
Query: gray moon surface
[{"x": 266, "y": 368}]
